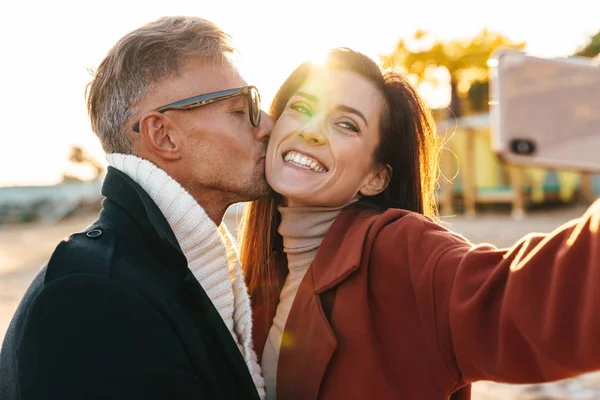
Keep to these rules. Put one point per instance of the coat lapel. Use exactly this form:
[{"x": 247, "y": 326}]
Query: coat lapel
[
  {"x": 307, "y": 345},
  {"x": 342, "y": 248},
  {"x": 131, "y": 197},
  {"x": 206, "y": 318},
  {"x": 263, "y": 309},
  {"x": 309, "y": 340}
]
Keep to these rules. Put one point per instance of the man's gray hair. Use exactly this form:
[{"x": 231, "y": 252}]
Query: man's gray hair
[{"x": 141, "y": 58}]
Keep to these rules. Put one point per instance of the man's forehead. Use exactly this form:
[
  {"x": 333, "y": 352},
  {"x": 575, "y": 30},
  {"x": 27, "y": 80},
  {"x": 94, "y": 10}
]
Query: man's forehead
[{"x": 196, "y": 78}]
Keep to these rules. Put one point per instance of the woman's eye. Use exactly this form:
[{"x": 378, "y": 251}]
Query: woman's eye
[
  {"x": 349, "y": 126},
  {"x": 239, "y": 112},
  {"x": 301, "y": 108}
]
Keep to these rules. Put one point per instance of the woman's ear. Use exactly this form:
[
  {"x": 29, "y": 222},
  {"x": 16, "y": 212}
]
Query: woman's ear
[{"x": 376, "y": 181}]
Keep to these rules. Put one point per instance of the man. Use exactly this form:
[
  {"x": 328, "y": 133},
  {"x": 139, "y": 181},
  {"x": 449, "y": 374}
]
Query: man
[{"x": 149, "y": 302}]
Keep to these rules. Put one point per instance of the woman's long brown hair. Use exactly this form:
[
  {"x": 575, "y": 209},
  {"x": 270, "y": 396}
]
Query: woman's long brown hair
[{"x": 408, "y": 145}]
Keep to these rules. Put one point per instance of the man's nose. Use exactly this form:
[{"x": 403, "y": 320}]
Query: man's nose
[{"x": 265, "y": 127}]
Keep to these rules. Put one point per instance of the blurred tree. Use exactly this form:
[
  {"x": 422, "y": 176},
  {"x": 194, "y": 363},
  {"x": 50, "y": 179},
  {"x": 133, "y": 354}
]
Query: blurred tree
[
  {"x": 465, "y": 61},
  {"x": 70, "y": 178},
  {"x": 591, "y": 49},
  {"x": 478, "y": 96},
  {"x": 78, "y": 155}
]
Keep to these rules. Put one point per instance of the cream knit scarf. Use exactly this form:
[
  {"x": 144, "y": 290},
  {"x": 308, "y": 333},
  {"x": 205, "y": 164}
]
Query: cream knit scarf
[{"x": 210, "y": 251}]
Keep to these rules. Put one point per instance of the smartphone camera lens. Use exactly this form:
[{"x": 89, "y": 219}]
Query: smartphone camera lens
[{"x": 522, "y": 146}]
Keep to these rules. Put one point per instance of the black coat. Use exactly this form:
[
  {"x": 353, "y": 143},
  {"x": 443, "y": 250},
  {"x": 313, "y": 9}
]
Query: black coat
[{"x": 117, "y": 314}]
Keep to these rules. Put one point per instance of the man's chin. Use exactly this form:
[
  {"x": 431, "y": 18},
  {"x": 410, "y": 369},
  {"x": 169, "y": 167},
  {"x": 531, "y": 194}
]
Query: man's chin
[
  {"x": 259, "y": 190},
  {"x": 263, "y": 190}
]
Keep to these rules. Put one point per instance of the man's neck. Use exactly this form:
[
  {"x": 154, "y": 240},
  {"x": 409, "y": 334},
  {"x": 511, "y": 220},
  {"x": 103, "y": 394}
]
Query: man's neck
[
  {"x": 215, "y": 213},
  {"x": 214, "y": 204}
]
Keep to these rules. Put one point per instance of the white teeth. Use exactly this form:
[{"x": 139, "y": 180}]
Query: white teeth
[{"x": 303, "y": 161}]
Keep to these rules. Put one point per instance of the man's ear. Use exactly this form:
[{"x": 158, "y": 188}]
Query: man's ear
[
  {"x": 161, "y": 136},
  {"x": 376, "y": 181}
]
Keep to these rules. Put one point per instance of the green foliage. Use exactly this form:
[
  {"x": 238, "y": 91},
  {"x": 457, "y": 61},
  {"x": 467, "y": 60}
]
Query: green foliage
[
  {"x": 478, "y": 96},
  {"x": 592, "y": 49},
  {"x": 464, "y": 60},
  {"x": 78, "y": 155}
]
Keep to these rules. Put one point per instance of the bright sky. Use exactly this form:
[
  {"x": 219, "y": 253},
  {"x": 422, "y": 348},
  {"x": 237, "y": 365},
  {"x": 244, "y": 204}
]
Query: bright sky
[{"x": 47, "y": 47}]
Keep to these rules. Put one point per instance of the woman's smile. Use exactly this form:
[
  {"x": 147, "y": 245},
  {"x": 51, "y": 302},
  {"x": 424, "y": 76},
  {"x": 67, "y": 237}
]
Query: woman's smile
[{"x": 303, "y": 161}]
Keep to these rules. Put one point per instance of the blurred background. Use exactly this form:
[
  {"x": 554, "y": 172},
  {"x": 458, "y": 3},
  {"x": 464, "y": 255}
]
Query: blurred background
[{"x": 52, "y": 166}]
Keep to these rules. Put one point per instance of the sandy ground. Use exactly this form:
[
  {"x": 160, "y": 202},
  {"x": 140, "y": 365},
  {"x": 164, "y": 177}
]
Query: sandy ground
[{"x": 25, "y": 248}]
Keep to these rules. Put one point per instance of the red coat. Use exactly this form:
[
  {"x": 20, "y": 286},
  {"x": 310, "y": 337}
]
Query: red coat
[{"x": 396, "y": 307}]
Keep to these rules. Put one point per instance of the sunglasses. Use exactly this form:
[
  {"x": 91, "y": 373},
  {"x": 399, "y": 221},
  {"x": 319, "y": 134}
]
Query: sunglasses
[{"x": 191, "y": 103}]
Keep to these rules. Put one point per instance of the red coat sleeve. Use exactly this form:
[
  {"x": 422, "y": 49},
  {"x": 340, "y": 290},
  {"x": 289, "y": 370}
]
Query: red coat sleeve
[{"x": 526, "y": 314}]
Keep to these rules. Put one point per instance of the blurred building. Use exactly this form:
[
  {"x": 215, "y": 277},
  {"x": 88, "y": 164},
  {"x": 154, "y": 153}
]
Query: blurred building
[{"x": 48, "y": 204}]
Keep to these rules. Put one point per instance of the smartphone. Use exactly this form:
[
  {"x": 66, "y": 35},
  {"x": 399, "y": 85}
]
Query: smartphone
[{"x": 545, "y": 112}]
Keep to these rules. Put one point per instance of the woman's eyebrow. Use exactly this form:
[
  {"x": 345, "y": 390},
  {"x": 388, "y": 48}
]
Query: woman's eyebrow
[
  {"x": 352, "y": 110},
  {"x": 341, "y": 107},
  {"x": 308, "y": 96}
]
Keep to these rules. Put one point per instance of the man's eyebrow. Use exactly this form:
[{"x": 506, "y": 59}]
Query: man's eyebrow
[
  {"x": 232, "y": 103},
  {"x": 239, "y": 99},
  {"x": 353, "y": 111}
]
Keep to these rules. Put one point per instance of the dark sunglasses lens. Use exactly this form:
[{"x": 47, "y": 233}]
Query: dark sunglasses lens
[{"x": 255, "y": 110}]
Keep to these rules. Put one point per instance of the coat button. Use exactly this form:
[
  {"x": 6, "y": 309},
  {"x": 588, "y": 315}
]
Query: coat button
[{"x": 94, "y": 233}]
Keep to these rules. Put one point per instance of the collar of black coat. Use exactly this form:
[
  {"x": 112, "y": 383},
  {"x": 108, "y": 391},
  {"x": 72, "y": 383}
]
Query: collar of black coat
[{"x": 129, "y": 195}]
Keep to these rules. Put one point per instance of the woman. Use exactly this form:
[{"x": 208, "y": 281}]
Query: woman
[{"x": 358, "y": 293}]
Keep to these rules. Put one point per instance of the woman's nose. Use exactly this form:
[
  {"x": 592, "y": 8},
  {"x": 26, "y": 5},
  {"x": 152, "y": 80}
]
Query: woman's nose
[{"x": 313, "y": 136}]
